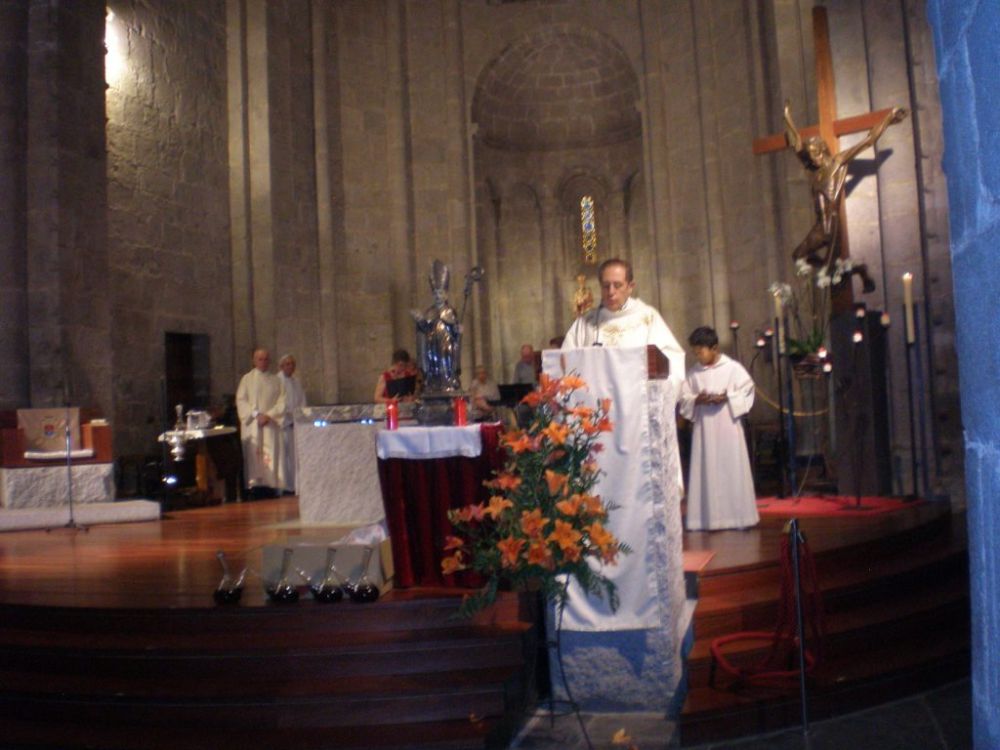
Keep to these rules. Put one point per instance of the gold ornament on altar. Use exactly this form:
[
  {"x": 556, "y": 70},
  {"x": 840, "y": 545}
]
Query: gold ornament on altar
[{"x": 583, "y": 299}]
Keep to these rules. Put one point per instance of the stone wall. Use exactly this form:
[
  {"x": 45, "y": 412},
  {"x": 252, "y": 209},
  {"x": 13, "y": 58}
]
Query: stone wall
[
  {"x": 168, "y": 223},
  {"x": 283, "y": 173},
  {"x": 965, "y": 36}
]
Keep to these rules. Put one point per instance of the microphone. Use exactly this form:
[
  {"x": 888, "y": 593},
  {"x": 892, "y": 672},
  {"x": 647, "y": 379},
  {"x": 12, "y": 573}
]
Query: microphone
[{"x": 597, "y": 319}]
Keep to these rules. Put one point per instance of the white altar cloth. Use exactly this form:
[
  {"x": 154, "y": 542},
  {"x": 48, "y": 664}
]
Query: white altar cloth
[
  {"x": 430, "y": 442},
  {"x": 48, "y": 486},
  {"x": 337, "y": 473}
]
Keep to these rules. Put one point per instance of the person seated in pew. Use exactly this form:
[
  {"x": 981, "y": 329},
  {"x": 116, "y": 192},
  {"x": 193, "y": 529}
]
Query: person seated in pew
[{"x": 484, "y": 395}]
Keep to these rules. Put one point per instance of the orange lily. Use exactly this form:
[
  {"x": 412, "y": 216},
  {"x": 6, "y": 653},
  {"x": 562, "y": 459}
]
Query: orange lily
[
  {"x": 556, "y": 432},
  {"x": 570, "y": 383},
  {"x": 601, "y": 536},
  {"x": 497, "y": 505},
  {"x": 532, "y": 522},
  {"x": 569, "y": 507},
  {"x": 556, "y": 481},
  {"x": 452, "y": 564},
  {"x": 540, "y": 554},
  {"x": 453, "y": 542},
  {"x": 510, "y": 550},
  {"x": 504, "y": 481},
  {"x": 565, "y": 535}
]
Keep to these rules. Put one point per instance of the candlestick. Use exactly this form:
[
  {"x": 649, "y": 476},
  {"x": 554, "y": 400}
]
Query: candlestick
[{"x": 911, "y": 335}]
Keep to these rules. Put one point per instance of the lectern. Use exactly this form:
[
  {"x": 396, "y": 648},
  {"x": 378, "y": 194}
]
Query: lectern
[{"x": 641, "y": 475}]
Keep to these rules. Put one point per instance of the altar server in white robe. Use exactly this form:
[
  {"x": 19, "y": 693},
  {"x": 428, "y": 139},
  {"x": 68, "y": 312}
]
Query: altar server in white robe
[
  {"x": 295, "y": 398},
  {"x": 260, "y": 402},
  {"x": 718, "y": 391},
  {"x": 623, "y": 320}
]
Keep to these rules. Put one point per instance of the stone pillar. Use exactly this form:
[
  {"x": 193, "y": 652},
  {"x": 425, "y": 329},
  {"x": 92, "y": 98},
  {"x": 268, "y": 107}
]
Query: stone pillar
[
  {"x": 325, "y": 104},
  {"x": 967, "y": 50},
  {"x": 67, "y": 271},
  {"x": 14, "y": 386}
]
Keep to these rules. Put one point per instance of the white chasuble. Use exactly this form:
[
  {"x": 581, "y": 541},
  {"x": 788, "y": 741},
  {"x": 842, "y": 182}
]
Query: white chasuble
[
  {"x": 295, "y": 398},
  {"x": 261, "y": 393},
  {"x": 635, "y": 324},
  {"x": 720, "y": 486}
]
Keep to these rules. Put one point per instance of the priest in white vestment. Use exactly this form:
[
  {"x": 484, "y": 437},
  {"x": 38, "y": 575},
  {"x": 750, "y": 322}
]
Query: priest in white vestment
[
  {"x": 260, "y": 402},
  {"x": 717, "y": 393},
  {"x": 623, "y": 320},
  {"x": 295, "y": 398}
]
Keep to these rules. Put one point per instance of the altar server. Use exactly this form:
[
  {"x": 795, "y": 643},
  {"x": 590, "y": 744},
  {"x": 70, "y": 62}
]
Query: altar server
[
  {"x": 623, "y": 320},
  {"x": 295, "y": 398},
  {"x": 718, "y": 391},
  {"x": 260, "y": 401}
]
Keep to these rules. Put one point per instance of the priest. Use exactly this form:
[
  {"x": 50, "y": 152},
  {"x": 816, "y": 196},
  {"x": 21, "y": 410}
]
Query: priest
[
  {"x": 295, "y": 398},
  {"x": 623, "y": 320},
  {"x": 260, "y": 402}
]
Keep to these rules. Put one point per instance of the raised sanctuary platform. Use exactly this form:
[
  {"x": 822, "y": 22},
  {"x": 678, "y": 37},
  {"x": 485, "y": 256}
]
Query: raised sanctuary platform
[{"x": 110, "y": 638}]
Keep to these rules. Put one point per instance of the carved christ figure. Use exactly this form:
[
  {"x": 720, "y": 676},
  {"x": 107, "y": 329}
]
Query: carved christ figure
[{"x": 828, "y": 175}]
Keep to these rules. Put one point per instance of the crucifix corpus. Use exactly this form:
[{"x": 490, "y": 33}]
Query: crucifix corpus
[{"x": 818, "y": 148}]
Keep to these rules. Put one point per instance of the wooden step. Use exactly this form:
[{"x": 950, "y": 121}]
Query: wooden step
[{"x": 897, "y": 621}]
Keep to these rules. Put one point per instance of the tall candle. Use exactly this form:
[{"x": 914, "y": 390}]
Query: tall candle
[
  {"x": 911, "y": 334},
  {"x": 779, "y": 313}
]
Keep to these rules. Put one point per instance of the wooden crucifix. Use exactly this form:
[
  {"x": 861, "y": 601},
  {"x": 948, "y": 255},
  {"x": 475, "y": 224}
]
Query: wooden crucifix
[{"x": 818, "y": 147}]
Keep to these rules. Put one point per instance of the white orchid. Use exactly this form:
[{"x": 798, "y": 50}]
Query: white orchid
[
  {"x": 802, "y": 267},
  {"x": 779, "y": 289}
]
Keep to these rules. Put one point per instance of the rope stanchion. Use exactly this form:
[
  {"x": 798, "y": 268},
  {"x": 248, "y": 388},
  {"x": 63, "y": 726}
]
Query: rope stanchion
[
  {"x": 783, "y": 411},
  {"x": 800, "y": 609}
]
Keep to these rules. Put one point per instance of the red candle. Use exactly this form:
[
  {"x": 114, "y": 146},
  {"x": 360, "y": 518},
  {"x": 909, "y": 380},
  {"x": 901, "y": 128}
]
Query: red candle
[
  {"x": 460, "y": 414},
  {"x": 392, "y": 415}
]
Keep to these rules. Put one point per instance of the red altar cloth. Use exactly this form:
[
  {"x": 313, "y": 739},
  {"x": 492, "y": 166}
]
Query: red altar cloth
[{"x": 418, "y": 493}]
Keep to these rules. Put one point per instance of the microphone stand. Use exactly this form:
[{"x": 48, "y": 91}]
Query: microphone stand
[{"x": 71, "y": 523}]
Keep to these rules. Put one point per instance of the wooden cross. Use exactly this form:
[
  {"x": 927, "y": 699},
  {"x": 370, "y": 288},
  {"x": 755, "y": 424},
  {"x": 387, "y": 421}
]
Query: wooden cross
[{"x": 829, "y": 128}]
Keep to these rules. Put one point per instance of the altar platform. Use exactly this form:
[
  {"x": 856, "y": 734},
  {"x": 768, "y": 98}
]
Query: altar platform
[{"x": 112, "y": 634}]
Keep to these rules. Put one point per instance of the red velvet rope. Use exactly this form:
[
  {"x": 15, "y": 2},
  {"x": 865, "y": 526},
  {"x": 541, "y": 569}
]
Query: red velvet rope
[{"x": 785, "y": 638}]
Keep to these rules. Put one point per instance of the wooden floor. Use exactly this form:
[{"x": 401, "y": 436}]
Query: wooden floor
[{"x": 172, "y": 563}]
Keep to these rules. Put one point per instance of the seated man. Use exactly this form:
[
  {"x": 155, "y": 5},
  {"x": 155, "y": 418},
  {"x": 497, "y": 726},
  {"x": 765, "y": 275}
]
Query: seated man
[
  {"x": 484, "y": 394},
  {"x": 524, "y": 370}
]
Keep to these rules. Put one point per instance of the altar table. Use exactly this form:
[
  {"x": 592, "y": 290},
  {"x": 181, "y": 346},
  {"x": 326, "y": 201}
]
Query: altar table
[{"x": 424, "y": 472}]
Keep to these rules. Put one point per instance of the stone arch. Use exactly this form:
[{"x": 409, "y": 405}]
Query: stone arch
[{"x": 557, "y": 87}]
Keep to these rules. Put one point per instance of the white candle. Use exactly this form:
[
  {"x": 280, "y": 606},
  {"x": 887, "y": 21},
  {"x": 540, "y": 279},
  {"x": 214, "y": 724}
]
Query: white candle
[
  {"x": 779, "y": 313},
  {"x": 911, "y": 334}
]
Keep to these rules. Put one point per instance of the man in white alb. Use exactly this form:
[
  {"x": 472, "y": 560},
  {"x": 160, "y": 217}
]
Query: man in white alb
[
  {"x": 295, "y": 398},
  {"x": 623, "y": 320},
  {"x": 260, "y": 402}
]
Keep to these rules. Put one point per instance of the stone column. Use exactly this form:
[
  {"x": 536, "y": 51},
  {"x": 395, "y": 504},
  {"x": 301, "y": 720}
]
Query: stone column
[
  {"x": 14, "y": 386},
  {"x": 967, "y": 49},
  {"x": 69, "y": 325}
]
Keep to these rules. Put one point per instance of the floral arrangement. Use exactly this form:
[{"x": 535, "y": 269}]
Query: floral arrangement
[{"x": 543, "y": 520}]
